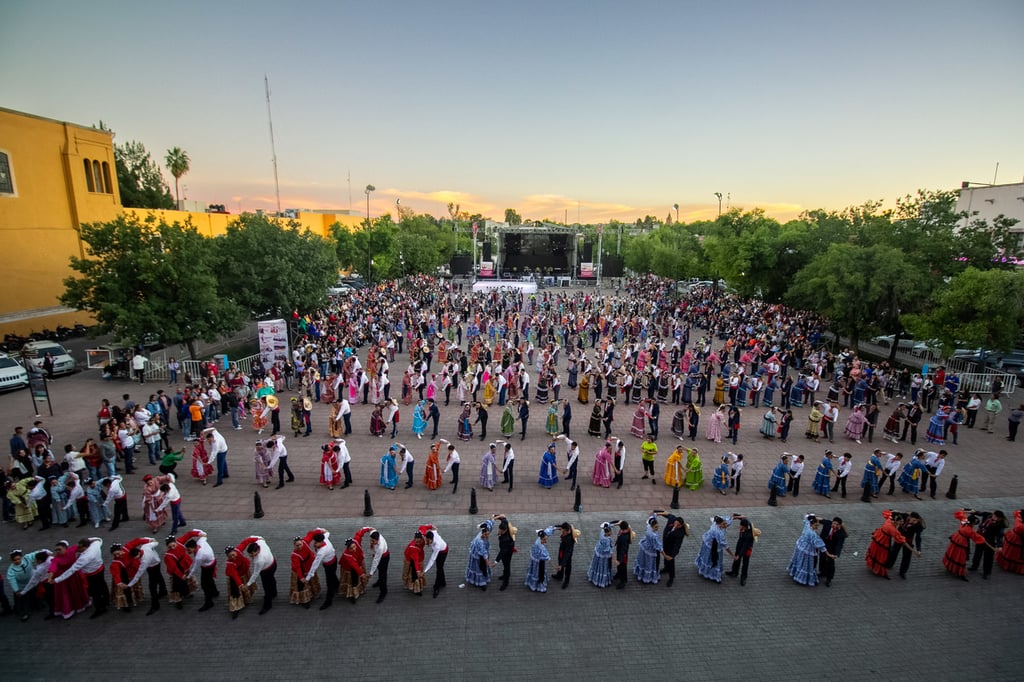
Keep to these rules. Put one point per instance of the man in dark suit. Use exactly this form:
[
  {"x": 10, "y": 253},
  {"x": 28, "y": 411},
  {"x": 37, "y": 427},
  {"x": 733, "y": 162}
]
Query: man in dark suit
[{"x": 834, "y": 535}]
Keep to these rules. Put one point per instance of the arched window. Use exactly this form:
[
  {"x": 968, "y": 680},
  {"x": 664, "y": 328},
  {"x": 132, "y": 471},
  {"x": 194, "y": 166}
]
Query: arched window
[
  {"x": 90, "y": 184},
  {"x": 6, "y": 179},
  {"x": 98, "y": 176},
  {"x": 106, "y": 178}
]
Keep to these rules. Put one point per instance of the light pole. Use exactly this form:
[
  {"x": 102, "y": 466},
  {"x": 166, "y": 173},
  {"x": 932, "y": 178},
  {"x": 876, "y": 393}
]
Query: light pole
[
  {"x": 398, "y": 210},
  {"x": 369, "y": 250},
  {"x": 600, "y": 233},
  {"x": 676, "y": 207},
  {"x": 719, "y": 195}
]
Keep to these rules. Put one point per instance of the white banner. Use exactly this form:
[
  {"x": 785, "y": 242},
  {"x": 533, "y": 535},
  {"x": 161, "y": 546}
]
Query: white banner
[{"x": 273, "y": 335}]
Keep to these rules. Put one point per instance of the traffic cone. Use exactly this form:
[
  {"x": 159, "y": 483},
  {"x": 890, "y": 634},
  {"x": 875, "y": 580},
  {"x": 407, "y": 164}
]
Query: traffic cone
[
  {"x": 258, "y": 506},
  {"x": 675, "y": 498},
  {"x": 367, "y": 507},
  {"x": 472, "y": 501},
  {"x": 951, "y": 493},
  {"x": 578, "y": 504}
]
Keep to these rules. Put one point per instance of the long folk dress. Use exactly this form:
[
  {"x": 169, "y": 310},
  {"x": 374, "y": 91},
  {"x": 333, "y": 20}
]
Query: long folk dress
[
  {"x": 808, "y": 546},
  {"x": 432, "y": 477},
  {"x": 508, "y": 422},
  {"x": 603, "y": 468},
  {"x": 600, "y": 572},
  {"x": 594, "y": 428},
  {"x": 712, "y": 552},
  {"x": 536, "y": 571},
  {"x": 548, "y": 470},
  {"x": 674, "y": 469},
  {"x": 477, "y": 571},
  {"x": 388, "y": 472},
  {"x": 645, "y": 568},
  {"x": 488, "y": 470},
  {"x": 1010, "y": 557},
  {"x": 880, "y": 551},
  {"x": 959, "y": 549},
  {"x": 694, "y": 471}
]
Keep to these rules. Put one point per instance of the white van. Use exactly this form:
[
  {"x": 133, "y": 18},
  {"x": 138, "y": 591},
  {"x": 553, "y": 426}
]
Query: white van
[
  {"x": 12, "y": 375},
  {"x": 35, "y": 352}
]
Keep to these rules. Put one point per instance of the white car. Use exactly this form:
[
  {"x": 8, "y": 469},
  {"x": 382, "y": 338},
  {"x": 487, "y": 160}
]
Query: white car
[
  {"x": 12, "y": 375},
  {"x": 34, "y": 353}
]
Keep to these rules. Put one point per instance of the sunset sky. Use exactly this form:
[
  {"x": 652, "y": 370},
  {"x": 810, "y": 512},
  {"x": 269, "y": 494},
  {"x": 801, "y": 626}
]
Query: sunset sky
[{"x": 580, "y": 109}]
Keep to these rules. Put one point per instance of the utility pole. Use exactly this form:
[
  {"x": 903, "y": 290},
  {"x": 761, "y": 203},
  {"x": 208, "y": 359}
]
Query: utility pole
[{"x": 273, "y": 150}]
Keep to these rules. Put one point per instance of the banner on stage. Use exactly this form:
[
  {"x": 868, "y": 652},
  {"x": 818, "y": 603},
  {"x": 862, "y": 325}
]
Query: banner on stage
[{"x": 586, "y": 271}]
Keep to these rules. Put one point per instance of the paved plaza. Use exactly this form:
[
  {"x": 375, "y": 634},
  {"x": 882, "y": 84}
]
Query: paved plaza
[{"x": 930, "y": 626}]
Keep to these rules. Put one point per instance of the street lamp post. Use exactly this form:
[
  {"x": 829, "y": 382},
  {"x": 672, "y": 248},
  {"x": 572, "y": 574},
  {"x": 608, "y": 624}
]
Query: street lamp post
[
  {"x": 398, "y": 210},
  {"x": 369, "y": 250},
  {"x": 676, "y": 207},
  {"x": 719, "y": 195}
]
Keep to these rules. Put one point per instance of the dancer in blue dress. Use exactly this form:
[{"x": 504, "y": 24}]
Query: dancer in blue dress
[
  {"x": 777, "y": 483},
  {"x": 419, "y": 419},
  {"x": 600, "y": 572},
  {"x": 869, "y": 482},
  {"x": 910, "y": 478},
  {"x": 478, "y": 568},
  {"x": 549, "y": 468},
  {"x": 646, "y": 568},
  {"x": 388, "y": 469},
  {"x": 537, "y": 570},
  {"x": 808, "y": 546},
  {"x": 713, "y": 546},
  {"x": 823, "y": 476},
  {"x": 720, "y": 479}
]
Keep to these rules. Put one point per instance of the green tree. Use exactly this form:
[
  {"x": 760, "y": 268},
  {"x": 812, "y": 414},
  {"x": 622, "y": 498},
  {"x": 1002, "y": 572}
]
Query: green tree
[
  {"x": 139, "y": 179},
  {"x": 177, "y": 165},
  {"x": 144, "y": 279},
  {"x": 978, "y": 308},
  {"x": 344, "y": 246},
  {"x": 512, "y": 217},
  {"x": 271, "y": 267}
]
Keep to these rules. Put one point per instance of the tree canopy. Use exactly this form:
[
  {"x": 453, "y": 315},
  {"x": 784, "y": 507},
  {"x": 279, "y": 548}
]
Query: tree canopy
[
  {"x": 269, "y": 266},
  {"x": 150, "y": 279},
  {"x": 139, "y": 179}
]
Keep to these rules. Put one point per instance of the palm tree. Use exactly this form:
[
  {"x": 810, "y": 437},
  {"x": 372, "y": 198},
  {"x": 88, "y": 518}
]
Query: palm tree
[{"x": 178, "y": 164}]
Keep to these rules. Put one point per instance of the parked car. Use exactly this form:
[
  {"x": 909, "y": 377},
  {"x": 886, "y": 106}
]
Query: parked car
[
  {"x": 340, "y": 289},
  {"x": 34, "y": 353},
  {"x": 929, "y": 350},
  {"x": 12, "y": 375},
  {"x": 887, "y": 341}
]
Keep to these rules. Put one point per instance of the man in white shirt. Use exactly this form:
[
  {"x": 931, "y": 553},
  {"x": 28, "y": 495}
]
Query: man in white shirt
[
  {"x": 379, "y": 562},
  {"x": 145, "y": 551},
  {"x": 508, "y": 465},
  {"x": 842, "y": 473},
  {"x": 117, "y": 498},
  {"x": 572, "y": 453},
  {"x": 344, "y": 460},
  {"x": 796, "y": 470},
  {"x": 204, "y": 562},
  {"x": 90, "y": 563},
  {"x": 453, "y": 465},
  {"x": 934, "y": 462},
  {"x": 438, "y": 555},
  {"x": 892, "y": 470},
  {"x": 263, "y": 566},
  {"x": 215, "y": 444},
  {"x": 407, "y": 463},
  {"x": 328, "y": 558},
  {"x": 279, "y": 457},
  {"x": 139, "y": 362},
  {"x": 172, "y": 499}
]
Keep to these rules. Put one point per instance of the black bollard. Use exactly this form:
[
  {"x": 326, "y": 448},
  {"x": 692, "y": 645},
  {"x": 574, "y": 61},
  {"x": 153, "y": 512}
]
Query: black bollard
[
  {"x": 258, "y": 506},
  {"x": 367, "y": 507},
  {"x": 951, "y": 493},
  {"x": 675, "y": 498},
  {"x": 472, "y": 501},
  {"x": 578, "y": 504}
]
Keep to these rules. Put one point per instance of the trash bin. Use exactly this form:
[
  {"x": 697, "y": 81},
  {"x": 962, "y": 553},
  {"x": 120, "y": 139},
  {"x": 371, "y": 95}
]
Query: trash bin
[{"x": 221, "y": 360}]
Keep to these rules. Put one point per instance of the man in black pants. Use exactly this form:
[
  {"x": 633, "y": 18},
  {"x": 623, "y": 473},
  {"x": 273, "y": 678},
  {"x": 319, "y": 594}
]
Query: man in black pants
[
  {"x": 834, "y": 535},
  {"x": 90, "y": 563},
  {"x": 262, "y": 563},
  {"x": 481, "y": 418},
  {"x": 622, "y": 543},
  {"x": 506, "y": 547},
  {"x": 913, "y": 419},
  {"x": 524, "y": 416},
  {"x": 842, "y": 473},
  {"x": 741, "y": 557},
  {"x": 565, "y": 548},
  {"x": 672, "y": 542},
  {"x": 439, "y": 549},
  {"x": 435, "y": 416},
  {"x": 326, "y": 556},
  {"x": 508, "y": 466},
  {"x": 992, "y": 526},
  {"x": 381, "y": 559}
]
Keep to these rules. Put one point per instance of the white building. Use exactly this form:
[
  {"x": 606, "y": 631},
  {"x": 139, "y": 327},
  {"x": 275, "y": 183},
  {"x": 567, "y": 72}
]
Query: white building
[{"x": 988, "y": 202}]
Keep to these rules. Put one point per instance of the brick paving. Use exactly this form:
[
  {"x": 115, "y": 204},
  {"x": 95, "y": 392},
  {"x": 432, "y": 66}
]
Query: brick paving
[{"x": 929, "y": 627}]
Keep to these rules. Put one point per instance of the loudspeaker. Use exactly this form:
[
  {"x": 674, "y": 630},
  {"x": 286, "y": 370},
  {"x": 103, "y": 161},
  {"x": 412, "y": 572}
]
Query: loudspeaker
[
  {"x": 588, "y": 253},
  {"x": 487, "y": 251},
  {"x": 611, "y": 266},
  {"x": 461, "y": 265}
]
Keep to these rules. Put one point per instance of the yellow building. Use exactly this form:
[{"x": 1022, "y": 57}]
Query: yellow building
[{"x": 55, "y": 177}]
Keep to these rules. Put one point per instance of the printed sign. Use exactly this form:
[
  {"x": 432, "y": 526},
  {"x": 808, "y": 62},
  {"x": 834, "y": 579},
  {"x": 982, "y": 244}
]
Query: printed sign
[{"x": 273, "y": 338}]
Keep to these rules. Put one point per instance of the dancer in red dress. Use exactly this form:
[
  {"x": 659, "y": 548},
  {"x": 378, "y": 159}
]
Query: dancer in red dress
[
  {"x": 884, "y": 542},
  {"x": 955, "y": 559},
  {"x": 1011, "y": 555}
]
